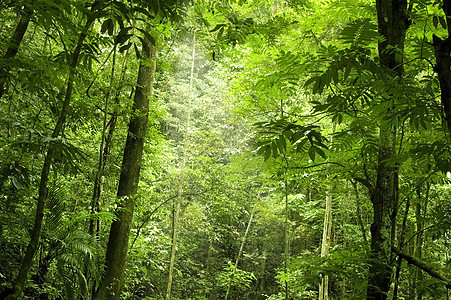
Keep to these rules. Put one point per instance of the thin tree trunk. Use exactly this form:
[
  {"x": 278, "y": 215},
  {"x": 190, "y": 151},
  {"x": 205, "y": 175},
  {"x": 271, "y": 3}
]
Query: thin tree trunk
[
  {"x": 181, "y": 178},
  {"x": 400, "y": 243},
  {"x": 104, "y": 153},
  {"x": 286, "y": 236},
  {"x": 14, "y": 44},
  {"x": 115, "y": 260},
  {"x": 392, "y": 25},
  {"x": 240, "y": 252},
  {"x": 359, "y": 212},
  {"x": 418, "y": 246},
  {"x": 323, "y": 292},
  {"x": 39, "y": 215},
  {"x": 325, "y": 244}
]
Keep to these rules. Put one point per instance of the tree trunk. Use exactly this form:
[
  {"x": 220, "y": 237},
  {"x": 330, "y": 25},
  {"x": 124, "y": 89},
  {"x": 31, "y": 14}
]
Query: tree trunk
[
  {"x": 420, "y": 212},
  {"x": 115, "y": 260},
  {"x": 181, "y": 178},
  {"x": 392, "y": 25},
  {"x": 325, "y": 245},
  {"x": 14, "y": 45},
  {"x": 287, "y": 237},
  {"x": 39, "y": 215},
  {"x": 442, "y": 48},
  {"x": 400, "y": 243}
]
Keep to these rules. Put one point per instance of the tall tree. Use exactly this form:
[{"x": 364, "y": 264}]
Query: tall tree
[
  {"x": 111, "y": 283},
  {"x": 48, "y": 160},
  {"x": 392, "y": 26}
]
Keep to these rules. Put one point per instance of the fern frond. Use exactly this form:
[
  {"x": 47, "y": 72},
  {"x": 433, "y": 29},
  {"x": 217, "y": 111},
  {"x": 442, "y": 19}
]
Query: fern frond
[{"x": 360, "y": 33}]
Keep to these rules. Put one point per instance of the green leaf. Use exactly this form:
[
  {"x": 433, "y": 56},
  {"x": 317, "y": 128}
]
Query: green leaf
[
  {"x": 145, "y": 46},
  {"x": 125, "y": 47},
  {"x": 435, "y": 21},
  {"x": 217, "y": 27},
  {"x": 320, "y": 152},
  {"x": 274, "y": 149},
  {"x": 282, "y": 144},
  {"x": 300, "y": 145},
  {"x": 123, "y": 35},
  {"x": 311, "y": 153},
  {"x": 442, "y": 22},
  {"x": 138, "y": 54},
  {"x": 107, "y": 25},
  {"x": 148, "y": 36},
  {"x": 267, "y": 152},
  {"x": 17, "y": 184},
  {"x": 122, "y": 8}
]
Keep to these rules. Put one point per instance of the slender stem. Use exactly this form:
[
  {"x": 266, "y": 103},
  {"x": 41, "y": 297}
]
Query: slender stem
[
  {"x": 181, "y": 177},
  {"x": 239, "y": 254}
]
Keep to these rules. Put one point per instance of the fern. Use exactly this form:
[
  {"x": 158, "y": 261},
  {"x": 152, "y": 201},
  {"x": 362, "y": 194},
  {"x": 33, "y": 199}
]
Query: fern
[{"x": 360, "y": 33}]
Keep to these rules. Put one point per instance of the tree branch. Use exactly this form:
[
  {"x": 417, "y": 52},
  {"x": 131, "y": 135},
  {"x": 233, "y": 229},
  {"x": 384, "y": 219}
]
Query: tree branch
[
  {"x": 423, "y": 266},
  {"x": 366, "y": 183}
]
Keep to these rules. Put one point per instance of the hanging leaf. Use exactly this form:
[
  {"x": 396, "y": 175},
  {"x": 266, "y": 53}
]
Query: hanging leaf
[
  {"x": 442, "y": 22},
  {"x": 107, "y": 25},
  {"x": 138, "y": 54},
  {"x": 319, "y": 151},
  {"x": 123, "y": 35},
  {"x": 267, "y": 152},
  {"x": 311, "y": 153},
  {"x": 148, "y": 36}
]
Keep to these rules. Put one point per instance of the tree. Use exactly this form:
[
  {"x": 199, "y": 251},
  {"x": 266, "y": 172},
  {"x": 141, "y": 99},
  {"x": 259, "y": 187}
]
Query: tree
[
  {"x": 36, "y": 231},
  {"x": 117, "y": 248},
  {"x": 392, "y": 25}
]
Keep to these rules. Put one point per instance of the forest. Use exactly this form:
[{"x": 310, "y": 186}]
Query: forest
[{"x": 225, "y": 149}]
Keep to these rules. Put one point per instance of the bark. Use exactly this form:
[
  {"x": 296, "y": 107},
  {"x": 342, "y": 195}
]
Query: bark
[
  {"x": 400, "y": 243},
  {"x": 48, "y": 160},
  {"x": 181, "y": 178},
  {"x": 423, "y": 266},
  {"x": 442, "y": 49},
  {"x": 115, "y": 260},
  {"x": 325, "y": 245},
  {"x": 14, "y": 44},
  {"x": 392, "y": 25}
]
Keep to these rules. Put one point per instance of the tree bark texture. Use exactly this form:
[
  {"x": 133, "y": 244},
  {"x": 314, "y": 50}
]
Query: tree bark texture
[
  {"x": 16, "y": 40},
  {"x": 117, "y": 246},
  {"x": 48, "y": 160},
  {"x": 392, "y": 25},
  {"x": 442, "y": 49}
]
